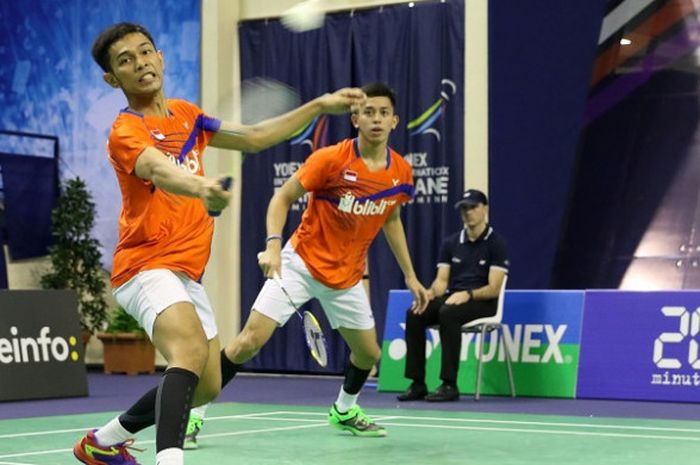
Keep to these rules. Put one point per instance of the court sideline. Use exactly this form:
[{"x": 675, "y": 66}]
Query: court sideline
[{"x": 282, "y": 420}]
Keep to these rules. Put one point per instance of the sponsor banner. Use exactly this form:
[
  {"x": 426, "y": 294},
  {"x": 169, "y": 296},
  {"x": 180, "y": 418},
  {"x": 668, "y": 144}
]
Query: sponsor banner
[
  {"x": 41, "y": 353},
  {"x": 431, "y": 181},
  {"x": 641, "y": 345},
  {"x": 543, "y": 328}
]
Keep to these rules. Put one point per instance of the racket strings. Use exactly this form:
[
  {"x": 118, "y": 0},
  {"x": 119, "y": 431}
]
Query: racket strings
[{"x": 313, "y": 334}]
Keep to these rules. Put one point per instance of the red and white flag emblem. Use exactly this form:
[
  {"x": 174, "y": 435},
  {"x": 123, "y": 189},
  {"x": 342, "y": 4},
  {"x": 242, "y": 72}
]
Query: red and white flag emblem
[{"x": 350, "y": 175}]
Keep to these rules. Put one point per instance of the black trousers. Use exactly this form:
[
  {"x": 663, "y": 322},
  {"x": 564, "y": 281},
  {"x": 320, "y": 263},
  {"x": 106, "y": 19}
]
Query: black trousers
[{"x": 450, "y": 319}]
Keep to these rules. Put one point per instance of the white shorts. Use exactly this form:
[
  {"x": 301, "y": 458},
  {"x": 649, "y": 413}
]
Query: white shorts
[
  {"x": 150, "y": 292},
  {"x": 344, "y": 308}
]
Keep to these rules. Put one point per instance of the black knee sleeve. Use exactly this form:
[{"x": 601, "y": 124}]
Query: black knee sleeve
[
  {"x": 354, "y": 378},
  {"x": 173, "y": 403},
  {"x": 228, "y": 369},
  {"x": 142, "y": 414}
]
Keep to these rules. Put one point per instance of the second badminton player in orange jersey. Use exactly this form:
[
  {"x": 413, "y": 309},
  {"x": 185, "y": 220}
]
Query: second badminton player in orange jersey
[{"x": 356, "y": 188}]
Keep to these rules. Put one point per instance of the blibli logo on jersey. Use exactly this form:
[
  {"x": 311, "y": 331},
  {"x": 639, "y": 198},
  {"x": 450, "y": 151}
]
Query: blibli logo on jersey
[
  {"x": 349, "y": 204},
  {"x": 346, "y": 202},
  {"x": 190, "y": 164}
]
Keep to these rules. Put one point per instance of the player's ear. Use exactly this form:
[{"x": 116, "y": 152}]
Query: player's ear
[
  {"x": 395, "y": 122},
  {"x": 162, "y": 60},
  {"x": 111, "y": 79},
  {"x": 355, "y": 120}
]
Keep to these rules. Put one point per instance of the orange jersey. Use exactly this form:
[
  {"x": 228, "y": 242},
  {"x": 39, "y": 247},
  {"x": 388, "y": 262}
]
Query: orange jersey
[
  {"x": 158, "y": 229},
  {"x": 348, "y": 205}
]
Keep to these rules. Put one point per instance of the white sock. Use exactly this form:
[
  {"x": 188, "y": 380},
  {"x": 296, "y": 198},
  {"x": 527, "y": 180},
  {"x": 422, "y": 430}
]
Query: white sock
[
  {"x": 201, "y": 410},
  {"x": 170, "y": 456},
  {"x": 345, "y": 401},
  {"x": 112, "y": 433}
]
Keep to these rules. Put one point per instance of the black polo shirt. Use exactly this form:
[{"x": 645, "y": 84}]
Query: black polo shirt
[{"x": 469, "y": 261}]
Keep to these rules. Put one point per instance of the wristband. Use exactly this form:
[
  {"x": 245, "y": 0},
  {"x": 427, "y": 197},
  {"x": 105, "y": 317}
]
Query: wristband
[
  {"x": 471, "y": 294},
  {"x": 365, "y": 276},
  {"x": 272, "y": 237}
]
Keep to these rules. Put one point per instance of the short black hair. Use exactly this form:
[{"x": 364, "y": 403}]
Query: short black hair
[
  {"x": 379, "y": 89},
  {"x": 100, "y": 48}
]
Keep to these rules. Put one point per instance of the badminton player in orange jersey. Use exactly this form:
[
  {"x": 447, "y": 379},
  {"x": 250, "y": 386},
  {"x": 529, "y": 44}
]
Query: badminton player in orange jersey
[
  {"x": 156, "y": 147},
  {"x": 356, "y": 188}
]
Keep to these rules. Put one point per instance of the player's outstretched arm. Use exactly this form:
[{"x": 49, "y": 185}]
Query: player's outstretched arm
[
  {"x": 271, "y": 261},
  {"x": 267, "y": 133},
  {"x": 152, "y": 165},
  {"x": 396, "y": 237}
]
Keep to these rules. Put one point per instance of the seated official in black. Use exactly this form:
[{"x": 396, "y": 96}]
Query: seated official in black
[{"x": 474, "y": 263}]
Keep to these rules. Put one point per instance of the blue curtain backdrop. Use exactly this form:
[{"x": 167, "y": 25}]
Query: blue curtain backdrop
[
  {"x": 30, "y": 191},
  {"x": 419, "y": 52},
  {"x": 3, "y": 239}
]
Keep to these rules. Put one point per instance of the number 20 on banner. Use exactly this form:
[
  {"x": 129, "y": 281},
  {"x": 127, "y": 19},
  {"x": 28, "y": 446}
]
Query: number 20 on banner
[{"x": 689, "y": 324}]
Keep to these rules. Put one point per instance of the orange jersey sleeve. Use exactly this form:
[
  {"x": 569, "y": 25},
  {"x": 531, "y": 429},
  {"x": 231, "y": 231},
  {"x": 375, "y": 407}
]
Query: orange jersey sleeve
[
  {"x": 126, "y": 142},
  {"x": 318, "y": 168}
]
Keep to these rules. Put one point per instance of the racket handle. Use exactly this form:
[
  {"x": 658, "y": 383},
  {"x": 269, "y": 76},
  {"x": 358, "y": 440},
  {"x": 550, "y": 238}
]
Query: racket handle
[
  {"x": 276, "y": 275},
  {"x": 225, "y": 184}
]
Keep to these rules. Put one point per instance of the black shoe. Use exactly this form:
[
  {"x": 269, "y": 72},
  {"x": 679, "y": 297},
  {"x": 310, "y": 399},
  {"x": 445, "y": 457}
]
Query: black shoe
[
  {"x": 445, "y": 393},
  {"x": 414, "y": 392}
]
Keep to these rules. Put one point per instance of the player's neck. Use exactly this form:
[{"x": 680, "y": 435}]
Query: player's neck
[
  {"x": 372, "y": 154},
  {"x": 149, "y": 105},
  {"x": 475, "y": 231}
]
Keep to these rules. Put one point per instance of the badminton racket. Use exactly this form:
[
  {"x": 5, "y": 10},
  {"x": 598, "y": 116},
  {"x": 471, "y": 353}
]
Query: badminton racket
[
  {"x": 257, "y": 99},
  {"x": 264, "y": 98},
  {"x": 313, "y": 334}
]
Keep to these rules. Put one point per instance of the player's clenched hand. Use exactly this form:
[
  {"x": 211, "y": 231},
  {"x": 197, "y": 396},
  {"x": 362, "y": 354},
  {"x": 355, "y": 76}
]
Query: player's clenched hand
[
  {"x": 421, "y": 297},
  {"x": 343, "y": 101},
  {"x": 270, "y": 262},
  {"x": 214, "y": 196}
]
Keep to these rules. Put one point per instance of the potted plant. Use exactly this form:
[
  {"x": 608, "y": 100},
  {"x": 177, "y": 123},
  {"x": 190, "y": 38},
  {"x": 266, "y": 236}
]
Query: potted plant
[
  {"x": 127, "y": 348},
  {"x": 75, "y": 255}
]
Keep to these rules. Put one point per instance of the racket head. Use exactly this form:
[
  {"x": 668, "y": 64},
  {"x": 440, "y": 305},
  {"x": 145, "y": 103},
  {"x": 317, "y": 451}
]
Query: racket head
[
  {"x": 264, "y": 98},
  {"x": 315, "y": 339}
]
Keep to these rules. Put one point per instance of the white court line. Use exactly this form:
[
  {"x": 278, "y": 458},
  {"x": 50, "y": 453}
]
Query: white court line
[
  {"x": 253, "y": 416},
  {"x": 247, "y": 415},
  {"x": 16, "y": 463},
  {"x": 533, "y": 423},
  {"x": 266, "y": 430},
  {"x": 403, "y": 425},
  {"x": 45, "y": 433},
  {"x": 151, "y": 441},
  {"x": 41, "y": 452},
  {"x": 82, "y": 430},
  {"x": 545, "y": 431},
  {"x": 306, "y": 420}
]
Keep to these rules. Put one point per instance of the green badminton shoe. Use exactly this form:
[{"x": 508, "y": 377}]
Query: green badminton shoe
[
  {"x": 355, "y": 421},
  {"x": 194, "y": 425}
]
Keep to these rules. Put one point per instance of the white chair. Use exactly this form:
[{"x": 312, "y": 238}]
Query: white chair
[{"x": 486, "y": 325}]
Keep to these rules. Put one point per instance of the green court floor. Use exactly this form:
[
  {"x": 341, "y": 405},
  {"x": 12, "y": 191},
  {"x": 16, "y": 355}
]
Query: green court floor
[{"x": 255, "y": 434}]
